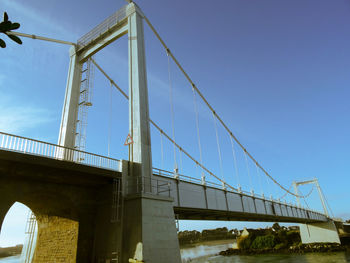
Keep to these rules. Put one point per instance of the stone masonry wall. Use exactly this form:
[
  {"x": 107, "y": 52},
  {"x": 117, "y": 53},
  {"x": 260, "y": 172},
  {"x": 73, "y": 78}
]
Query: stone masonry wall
[{"x": 57, "y": 240}]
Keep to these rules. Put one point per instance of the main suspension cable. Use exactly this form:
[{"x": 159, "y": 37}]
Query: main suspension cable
[
  {"x": 192, "y": 158},
  {"x": 187, "y": 77},
  {"x": 303, "y": 196},
  {"x": 212, "y": 109},
  {"x": 165, "y": 134}
]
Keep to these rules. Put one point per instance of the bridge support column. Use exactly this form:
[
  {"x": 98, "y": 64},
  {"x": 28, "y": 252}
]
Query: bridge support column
[
  {"x": 57, "y": 239},
  {"x": 324, "y": 232},
  {"x": 140, "y": 149},
  {"x": 149, "y": 229},
  {"x": 71, "y": 100}
]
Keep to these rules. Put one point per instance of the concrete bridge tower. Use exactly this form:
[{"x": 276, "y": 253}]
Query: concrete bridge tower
[
  {"x": 322, "y": 232},
  {"x": 147, "y": 230}
]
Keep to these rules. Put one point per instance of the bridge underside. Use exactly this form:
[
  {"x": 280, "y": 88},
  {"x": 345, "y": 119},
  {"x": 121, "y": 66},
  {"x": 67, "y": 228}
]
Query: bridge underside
[
  {"x": 184, "y": 213},
  {"x": 194, "y": 201},
  {"x": 71, "y": 202}
]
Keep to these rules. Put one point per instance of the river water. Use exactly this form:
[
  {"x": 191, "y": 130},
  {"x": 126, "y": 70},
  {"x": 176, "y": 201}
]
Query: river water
[
  {"x": 14, "y": 259},
  {"x": 338, "y": 257},
  {"x": 206, "y": 254}
]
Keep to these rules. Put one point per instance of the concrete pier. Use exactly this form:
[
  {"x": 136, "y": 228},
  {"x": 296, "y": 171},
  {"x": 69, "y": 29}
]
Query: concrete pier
[
  {"x": 323, "y": 232},
  {"x": 149, "y": 230}
]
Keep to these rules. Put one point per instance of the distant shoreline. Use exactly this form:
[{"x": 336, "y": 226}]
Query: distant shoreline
[
  {"x": 300, "y": 249},
  {"x": 10, "y": 251}
]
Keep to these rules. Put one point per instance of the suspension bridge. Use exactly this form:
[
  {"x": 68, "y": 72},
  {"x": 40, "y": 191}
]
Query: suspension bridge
[{"x": 95, "y": 208}]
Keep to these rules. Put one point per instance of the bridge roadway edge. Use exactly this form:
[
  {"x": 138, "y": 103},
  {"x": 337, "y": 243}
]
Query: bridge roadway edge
[
  {"x": 201, "y": 202},
  {"x": 193, "y": 201}
]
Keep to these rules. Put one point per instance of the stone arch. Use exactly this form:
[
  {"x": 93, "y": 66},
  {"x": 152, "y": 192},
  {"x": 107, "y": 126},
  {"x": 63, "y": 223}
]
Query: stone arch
[
  {"x": 57, "y": 220},
  {"x": 58, "y": 227},
  {"x": 22, "y": 219},
  {"x": 56, "y": 190}
]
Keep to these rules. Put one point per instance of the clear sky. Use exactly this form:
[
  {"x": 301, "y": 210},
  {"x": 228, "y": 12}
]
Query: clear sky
[{"x": 277, "y": 72}]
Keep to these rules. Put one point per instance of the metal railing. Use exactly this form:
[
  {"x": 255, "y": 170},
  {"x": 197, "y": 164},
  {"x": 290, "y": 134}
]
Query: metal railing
[
  {"x": 102, "y": 28},
  {"x": 156, "y": 186},
  {"x": 35, "y": 147},
  {"x": 189, "y": 179},
  {"x": 182, "y": 177},
  {"x": 148, "y": 185}
]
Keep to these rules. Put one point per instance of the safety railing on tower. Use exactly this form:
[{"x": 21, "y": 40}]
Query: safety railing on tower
[
  {"x": 102, "y": 28},
  {"x": 143, "y": 184},
  {"x": 35, "y": 147}
]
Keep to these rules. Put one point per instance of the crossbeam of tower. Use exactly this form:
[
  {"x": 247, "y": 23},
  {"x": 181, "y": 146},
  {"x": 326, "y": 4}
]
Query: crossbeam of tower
[
  {"x": 127, "y": 20},
  {"x": 320, "y": 193}
]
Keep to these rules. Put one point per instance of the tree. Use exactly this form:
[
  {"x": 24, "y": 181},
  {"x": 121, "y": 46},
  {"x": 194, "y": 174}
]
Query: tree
[
  {"x": 5, "y": 27},
  {"x": 263, "y": 242}
]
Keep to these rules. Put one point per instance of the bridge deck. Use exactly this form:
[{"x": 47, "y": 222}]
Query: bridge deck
[
  {"x": 198, "y": 202},
  {"x": 35, "y": 167},
  {"x": 191, "y": 200}
]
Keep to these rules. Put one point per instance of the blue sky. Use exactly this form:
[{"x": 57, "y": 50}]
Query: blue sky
[{"x": 277, "y": 72}]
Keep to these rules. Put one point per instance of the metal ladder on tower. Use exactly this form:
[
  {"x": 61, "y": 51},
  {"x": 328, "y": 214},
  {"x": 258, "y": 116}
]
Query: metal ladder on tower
[
  {"x": 117, "y": 200},
  {"x": 85, "y": 101},
  {"x": 117, "y": 210},
  {"x": 116, "y": 217},
  {"x": 30, "y": 232}
]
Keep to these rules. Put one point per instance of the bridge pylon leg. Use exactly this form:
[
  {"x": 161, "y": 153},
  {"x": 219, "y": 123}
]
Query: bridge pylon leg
[
  {"x": 324, "y": 232},
  {"x": 149, "y": 229},
  {"x": 71, "y": 100}
]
